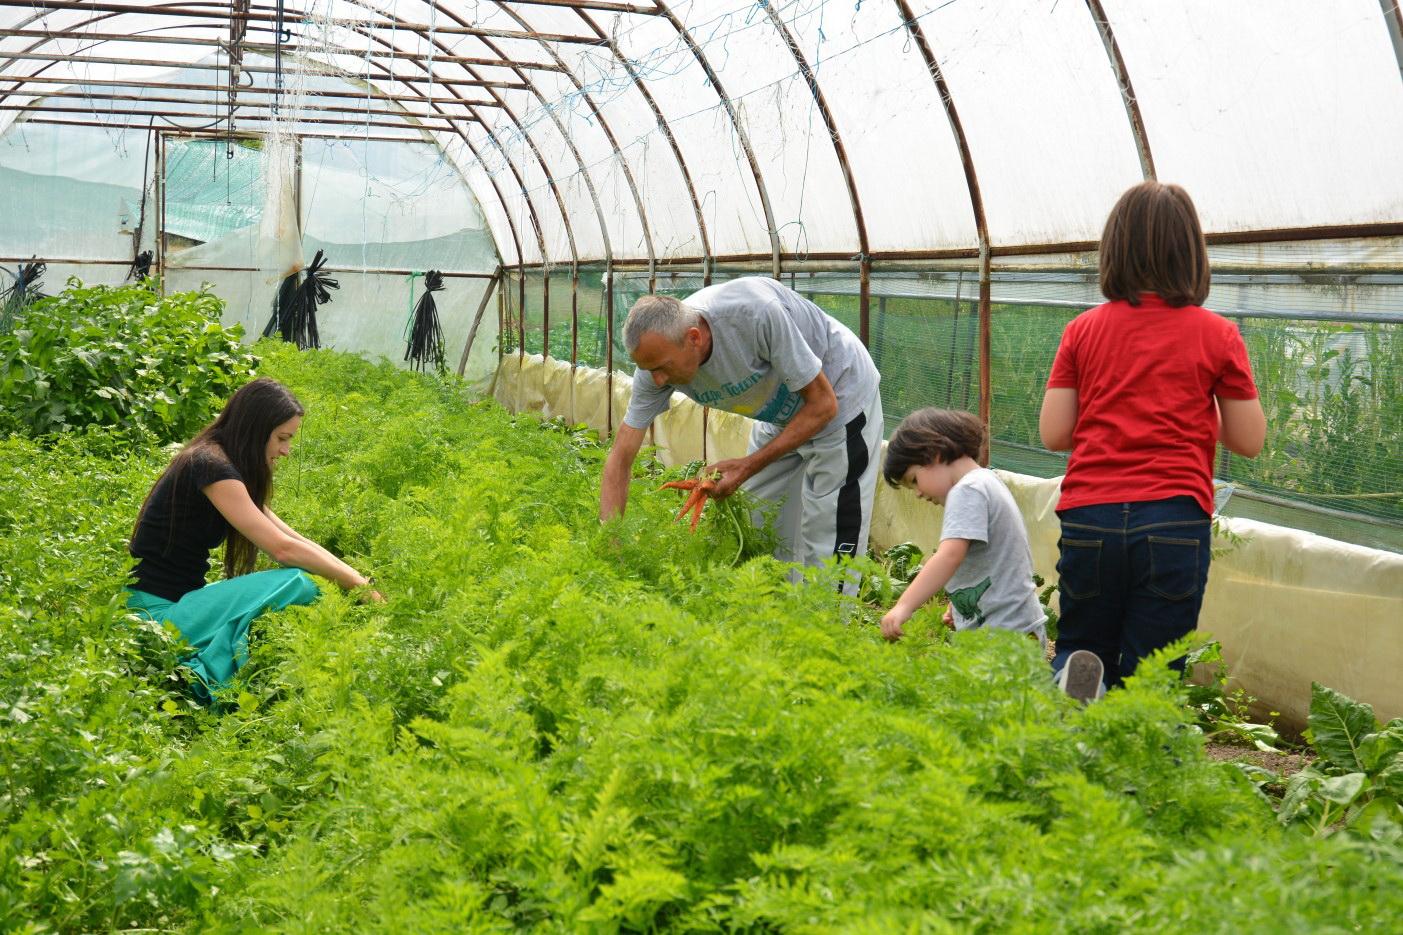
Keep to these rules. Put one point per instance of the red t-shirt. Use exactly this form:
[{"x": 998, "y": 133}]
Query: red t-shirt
[{"x": 1145, "y": 377}]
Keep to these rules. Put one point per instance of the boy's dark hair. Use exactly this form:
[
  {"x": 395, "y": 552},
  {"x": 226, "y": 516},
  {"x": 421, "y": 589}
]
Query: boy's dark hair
[
  {"x": 1153, "y": 243},
  {"x": 930, "y": 436}
]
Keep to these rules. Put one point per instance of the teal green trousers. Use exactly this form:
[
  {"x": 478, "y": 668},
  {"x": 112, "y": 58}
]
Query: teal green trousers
[{"x": 215, "y": 619}]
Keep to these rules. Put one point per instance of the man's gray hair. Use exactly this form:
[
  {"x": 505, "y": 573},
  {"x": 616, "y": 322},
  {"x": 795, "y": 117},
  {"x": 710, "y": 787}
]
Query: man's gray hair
[{"x": 661, "y": 314}]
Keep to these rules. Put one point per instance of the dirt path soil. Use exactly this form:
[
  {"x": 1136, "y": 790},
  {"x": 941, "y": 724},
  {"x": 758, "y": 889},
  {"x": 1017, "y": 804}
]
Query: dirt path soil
[{"x": 1284, "y": 764}]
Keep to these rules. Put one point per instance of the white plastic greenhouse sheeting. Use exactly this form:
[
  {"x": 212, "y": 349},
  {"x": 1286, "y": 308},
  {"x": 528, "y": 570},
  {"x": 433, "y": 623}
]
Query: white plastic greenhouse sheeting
[
  {"x": 1286, "y": 114},
  {"x": 1280, "y": 115},
  {"x": 1289, "y": 607},
  {"x": 74, "y": 193}
]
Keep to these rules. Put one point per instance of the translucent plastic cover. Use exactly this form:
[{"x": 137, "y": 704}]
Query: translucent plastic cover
[{"x": 698, "y": 130}]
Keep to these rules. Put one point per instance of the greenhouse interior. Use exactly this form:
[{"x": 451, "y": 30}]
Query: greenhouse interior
[{"x": 481, "y": 700}]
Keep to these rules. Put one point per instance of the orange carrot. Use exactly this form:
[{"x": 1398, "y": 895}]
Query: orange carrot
[
  {"x": 696, "y": 516},
  {"x": 696, "y": 500}
]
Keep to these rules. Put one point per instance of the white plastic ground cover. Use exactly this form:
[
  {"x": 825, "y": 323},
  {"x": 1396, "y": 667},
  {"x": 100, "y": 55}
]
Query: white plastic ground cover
[{"x": 1289, "y": 607}]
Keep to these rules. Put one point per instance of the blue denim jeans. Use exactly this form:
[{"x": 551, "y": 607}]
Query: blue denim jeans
[{"x": 1131, "y": 579}]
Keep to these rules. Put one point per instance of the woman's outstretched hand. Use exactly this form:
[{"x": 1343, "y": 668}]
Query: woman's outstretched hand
[{"x": 367, "y": 593}]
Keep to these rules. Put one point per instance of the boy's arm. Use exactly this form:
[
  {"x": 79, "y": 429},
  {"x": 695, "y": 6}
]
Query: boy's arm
[{"x": 934, "y": 575}]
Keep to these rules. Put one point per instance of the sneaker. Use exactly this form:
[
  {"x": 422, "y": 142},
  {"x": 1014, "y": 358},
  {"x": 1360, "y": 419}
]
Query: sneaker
[{"x": 1081, "y": 676}]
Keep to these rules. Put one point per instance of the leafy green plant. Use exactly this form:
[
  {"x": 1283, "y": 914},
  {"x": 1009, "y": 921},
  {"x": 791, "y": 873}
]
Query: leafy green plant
[
  {"x": 896, "y": 569},
  {"x": 584, "y": 442},
  {"x": 1357, "y": 780},
  {"x": 121, "y": 357},
  {"x": 1223, "y": 714},
  {"x": 1046, "y": 590},
  {"x": 559, "y": 725},
  {"x": 1334, "y": 413}
]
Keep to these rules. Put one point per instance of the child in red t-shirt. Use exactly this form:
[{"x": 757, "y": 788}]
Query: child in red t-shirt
[{"x": 1141, "y": 390}]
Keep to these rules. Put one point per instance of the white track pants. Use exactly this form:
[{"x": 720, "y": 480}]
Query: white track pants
[{"x": 824, "y": 487}]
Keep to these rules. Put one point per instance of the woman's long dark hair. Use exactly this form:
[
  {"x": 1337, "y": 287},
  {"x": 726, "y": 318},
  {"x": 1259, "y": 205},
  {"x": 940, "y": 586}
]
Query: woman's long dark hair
[{"x": 240, "y": 436}]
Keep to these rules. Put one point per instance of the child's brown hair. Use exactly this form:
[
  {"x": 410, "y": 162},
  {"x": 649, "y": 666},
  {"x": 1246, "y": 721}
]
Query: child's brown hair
[
  {"x": 1153, "y": 243},
  {"x": 929, "y": 436}
]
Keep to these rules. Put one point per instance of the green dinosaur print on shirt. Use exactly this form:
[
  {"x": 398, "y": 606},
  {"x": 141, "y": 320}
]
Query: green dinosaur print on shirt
[{"x": 966, "y": 601}]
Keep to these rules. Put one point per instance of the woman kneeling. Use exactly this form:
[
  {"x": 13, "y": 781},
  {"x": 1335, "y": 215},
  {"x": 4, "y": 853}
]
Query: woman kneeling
[{"x": 217, "y": 488}]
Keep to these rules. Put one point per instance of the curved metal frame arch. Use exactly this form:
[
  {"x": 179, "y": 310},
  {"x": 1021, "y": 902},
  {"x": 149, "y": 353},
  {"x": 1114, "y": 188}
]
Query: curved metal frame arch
[
  {"x": 603, "y": 228},
  {"x": 1393, "y": 22},
  {"x": 507, "y": 62},
  {"x": 235, "y": 10},
  {"x": 189, "y": 10},
  {"x": 976, "y": 201},
  {"x": 574, "y": 254},
  {"x": 1127, "y": 91},
  {"x": 608, "y": 133},
  {"x": 422, "y": 98},
  {"x": 864, "y": 253},
  {"x": 471, "y": 106},
  {"x": 741, "y": 135},
  {"x": 395, "y": 53},
  {"x": 408, "y": 83},
  {"x": 19, "y": 80},
  {"x": 218, "y": 18},
  {"x": 453, "y": 120},
  {"x": 521, "y": 183},
  {"x": 671, "y": 141},
  {"x": 565, "y": 217},
  {"x": 145, "y": 36},
  {"x": 525, "y": 194}
]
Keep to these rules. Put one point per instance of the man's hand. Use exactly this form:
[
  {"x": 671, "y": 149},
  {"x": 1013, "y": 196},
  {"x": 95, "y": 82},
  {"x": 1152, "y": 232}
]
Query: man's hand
[
  {"x": 949, "y": 618},
  {"x": 891, "y": 623},
  {"x": 729, "y": 475},
  {"x": 820, "y": 406}
]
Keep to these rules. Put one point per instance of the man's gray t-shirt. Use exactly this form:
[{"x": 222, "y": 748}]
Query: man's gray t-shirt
[
  {"x": 993, "y": 587},
  {"x": 767, "y": 343}
]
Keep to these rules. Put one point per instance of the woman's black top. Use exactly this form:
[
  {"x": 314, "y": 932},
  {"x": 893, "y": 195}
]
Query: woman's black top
[{"x": 174, "y": 538}]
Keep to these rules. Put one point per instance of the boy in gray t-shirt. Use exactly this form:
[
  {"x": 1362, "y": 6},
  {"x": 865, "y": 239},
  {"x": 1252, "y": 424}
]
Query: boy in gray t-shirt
[{"x": 983, "y": 561}]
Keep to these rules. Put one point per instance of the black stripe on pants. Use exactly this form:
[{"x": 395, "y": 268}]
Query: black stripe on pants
[{"x": 849, "y": 519}]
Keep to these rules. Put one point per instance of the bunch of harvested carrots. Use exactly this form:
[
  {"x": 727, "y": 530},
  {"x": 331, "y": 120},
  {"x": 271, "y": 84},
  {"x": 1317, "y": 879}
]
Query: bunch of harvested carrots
[{"x": 699, "y": 490}]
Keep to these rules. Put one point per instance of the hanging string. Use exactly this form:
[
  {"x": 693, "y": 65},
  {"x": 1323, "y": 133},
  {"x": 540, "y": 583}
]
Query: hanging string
[
  {"x": 294, "y": 315},
  {"x": 278, "y": 34},
  {"x": 433, "y": 46},
  {"x": 409, "y": 313},
  {"x": 426, "y": 344},
  {"x": 22, "y": 293}
]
